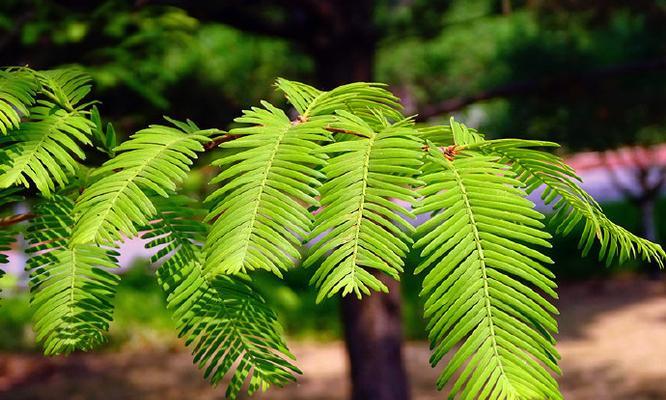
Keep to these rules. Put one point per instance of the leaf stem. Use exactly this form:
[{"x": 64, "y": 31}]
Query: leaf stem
[{"x": 15, "y": 219}]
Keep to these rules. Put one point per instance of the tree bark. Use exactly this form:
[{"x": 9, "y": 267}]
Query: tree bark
[
  {"x": 373, "y": 337},
  {"x": 650, "y": 189},
  {"x": 648, "y": 224},
  {"x": 649, "y": 230}
]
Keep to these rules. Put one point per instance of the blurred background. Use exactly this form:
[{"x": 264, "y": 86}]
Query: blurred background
[{"x": 590, "y": 74}]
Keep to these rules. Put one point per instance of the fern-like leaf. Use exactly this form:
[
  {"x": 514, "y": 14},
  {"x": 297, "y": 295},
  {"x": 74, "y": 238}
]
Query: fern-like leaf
[
  {"x": 155, "y": 160},
  {"x": 362, "y": 98},
  {"x": 260, "y": 211},
  {"x": 572, "y": 205},
  {"x": 71, "y": 287},
  {"x": 44, "y": 151},
  {"x": 478, "y": 251},
  {"x": 18, "y": 88},
  {"x": 228, "y": 326},
  {"x": 66, "y": 87},
  {"x": 362, "y": 230}
]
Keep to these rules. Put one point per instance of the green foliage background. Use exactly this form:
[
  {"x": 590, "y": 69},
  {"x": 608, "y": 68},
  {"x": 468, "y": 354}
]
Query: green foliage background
[{"x": 156, "y": 58}]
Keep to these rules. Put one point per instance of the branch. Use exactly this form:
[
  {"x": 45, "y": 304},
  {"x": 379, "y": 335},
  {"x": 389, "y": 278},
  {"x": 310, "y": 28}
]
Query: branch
[
  {"x": 213, "y": 144},
  {"x": 615, "y": 179},
  {"x": 345, "y": 131},
  {"x": 15, "y": 219},
  {"x": 553, "y": 84},
  {"x": 650, "y": 190}
]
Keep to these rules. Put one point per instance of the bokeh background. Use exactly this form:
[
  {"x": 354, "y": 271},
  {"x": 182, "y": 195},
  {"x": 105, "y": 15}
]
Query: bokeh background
[{"x": 590, "y": 74}]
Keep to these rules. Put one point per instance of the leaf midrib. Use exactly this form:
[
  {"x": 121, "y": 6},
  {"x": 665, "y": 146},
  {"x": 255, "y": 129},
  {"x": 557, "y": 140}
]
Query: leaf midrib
[
  {"x": 262, "y": 187},
  {"x": 131, "y": 178},
  {"x": 19, "y": 168},
  {"x": 361, "y": 206},
  {"x": 482, "y": 262},
  {"x": 562, "y": 193}
]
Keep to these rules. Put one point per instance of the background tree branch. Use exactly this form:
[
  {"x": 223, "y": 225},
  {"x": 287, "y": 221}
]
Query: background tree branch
[{"x": 541, "y": 86}]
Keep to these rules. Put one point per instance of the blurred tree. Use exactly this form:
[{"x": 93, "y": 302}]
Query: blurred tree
[
  {"x": 589, "y": 75},
  {"x": 586, "y": 74}
]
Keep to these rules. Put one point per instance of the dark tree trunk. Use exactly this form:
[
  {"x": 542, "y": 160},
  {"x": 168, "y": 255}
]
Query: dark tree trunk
[
  {"x": 650, "y": 181},
  {"x": 646, "y": 202},
  {"x": 648, "y": 223},
  {"x": 343, "y": 49},
  {"x": 373, "y": 335},
  {"x": 343, "y": 45},
  {"x": 646, "y": 206}
]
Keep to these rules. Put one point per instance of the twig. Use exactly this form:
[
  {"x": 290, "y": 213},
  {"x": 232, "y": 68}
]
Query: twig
[
  {"x": 213, "y": 144},
  {"x": 545, "y": 84},
  {"x": 345, "y": 131},
  {"x": 15, "y": 219}
]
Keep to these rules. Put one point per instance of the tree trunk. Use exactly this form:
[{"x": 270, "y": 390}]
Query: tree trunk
[
  {"x": 648, "y": 223},
  {"x": 649, "y": 229},
  {"x": 373, "y": 335},
  {"x": 343, "y": 50}
]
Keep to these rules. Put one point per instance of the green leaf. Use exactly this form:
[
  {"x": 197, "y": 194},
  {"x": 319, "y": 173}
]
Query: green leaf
[
  {"x": 360, "y": 229},
  {"x": 154, "y": 160},
  {"x": 572, "y": 206},
  {"x": 228, "y": 326},
  {"x": 268, "y": 180},
  {"x": 66, "y": 86},
  {"x": 44, "y": 151},
  {"x": 483, "y": 274},
  {"x": 71, "y": 287},
  {"x": 462, "y": 135},
  {"x": 18, "y": 88},
  {"x": 364, "y": 99}
]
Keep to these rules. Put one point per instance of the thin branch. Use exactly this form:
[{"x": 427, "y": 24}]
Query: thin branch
[
  {"x": 345, "y": 131},
  {"x": 213, "y": 144},
  {"x": 554, "y": 83},
  {"x": 615, "y": 179},
  {"x": 15, "y": 219}
]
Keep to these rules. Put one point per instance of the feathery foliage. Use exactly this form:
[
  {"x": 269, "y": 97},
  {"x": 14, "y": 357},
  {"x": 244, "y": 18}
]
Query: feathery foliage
[
  {"x": 365, "y": 100},
  {"x": 18, "y": 88},
  {"x": 71, "y": 287},
  {"x": 361, "y": 228},
  {"x": 572, "y": 205},
  {"x": 45, "y": 149},
  {"x": 154, "y": 160},
  {"x": 478, "y": 251},
  {"x": 260, "y": 210},
  {"x": 224, "y": 321},
  {"x": 340, "y": 175},
  {"x": 66, "y": 87}
]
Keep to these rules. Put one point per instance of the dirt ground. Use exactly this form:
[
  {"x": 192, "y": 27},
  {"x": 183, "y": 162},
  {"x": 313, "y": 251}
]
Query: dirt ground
[{"x": 612, "y": 341}]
